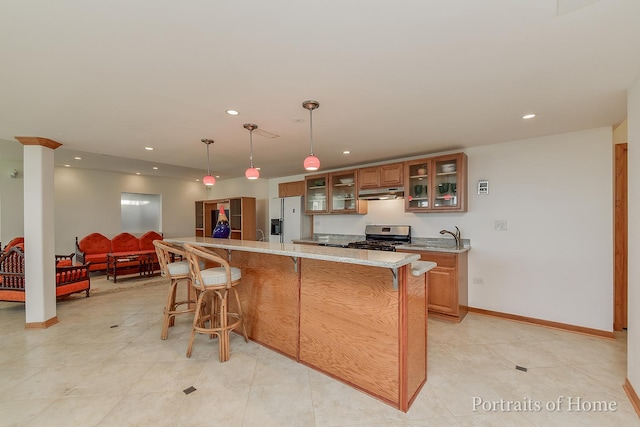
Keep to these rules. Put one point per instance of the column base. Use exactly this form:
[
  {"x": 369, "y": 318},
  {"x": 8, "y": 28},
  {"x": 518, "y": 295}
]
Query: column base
[{"x": 42, "y": 325}]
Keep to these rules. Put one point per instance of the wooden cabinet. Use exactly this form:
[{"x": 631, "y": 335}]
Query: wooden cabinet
[
  {"x": 389, "y": 175},
  {"x": 316, "y": 193},
  {"x": 436, "y": 184},
  {"x": 447, "y": 284},
  {"x": 343, "y": 193},
  {"x": 241, "y": 212},
  {"x": 291, "y": 189}
]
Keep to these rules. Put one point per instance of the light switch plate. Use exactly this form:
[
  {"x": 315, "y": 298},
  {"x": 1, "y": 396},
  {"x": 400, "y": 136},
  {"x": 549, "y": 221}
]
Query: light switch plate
[
  {"x": 501, "y": 225},
  {"x": 483, "y": 186}
]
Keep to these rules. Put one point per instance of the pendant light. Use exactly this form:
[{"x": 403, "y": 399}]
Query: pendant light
[
  {"x": 311, "y": 163},
  {"x": 251, "y": 173},
  {"x": 208, "y": 180}
]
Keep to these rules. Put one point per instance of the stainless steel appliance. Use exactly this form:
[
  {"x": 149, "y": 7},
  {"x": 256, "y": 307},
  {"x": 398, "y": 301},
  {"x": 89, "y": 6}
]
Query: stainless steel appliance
[
  {"x": 389, "y": 193},
  {"x": 384, "y": 237},
  {"x": 292, "y": 224}
]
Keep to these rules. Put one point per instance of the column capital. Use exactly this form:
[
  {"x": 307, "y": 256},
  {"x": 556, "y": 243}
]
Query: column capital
[{"x": 36, "y": 140}]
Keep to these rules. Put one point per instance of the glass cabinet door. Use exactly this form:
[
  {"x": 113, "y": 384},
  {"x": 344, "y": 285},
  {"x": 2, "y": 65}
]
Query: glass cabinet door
[
  {"x": 343, "y": 191},
  {"x": 316, "y": 194},
  {"x": 417, "y": 187},
  {"x": 436, "y": 184},
  {"x": 446, "y": 173}
]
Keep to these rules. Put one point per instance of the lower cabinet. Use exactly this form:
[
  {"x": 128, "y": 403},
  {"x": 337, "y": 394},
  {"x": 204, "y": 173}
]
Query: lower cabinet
[{"x": 447, "y": 282}]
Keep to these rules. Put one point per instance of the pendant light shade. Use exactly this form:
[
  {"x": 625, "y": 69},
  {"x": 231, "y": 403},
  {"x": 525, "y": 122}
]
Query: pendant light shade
[
  {"x": 208, "y": 180},
  {"x": 311, "y": 163},
  {"x": 251, "y": 173}
]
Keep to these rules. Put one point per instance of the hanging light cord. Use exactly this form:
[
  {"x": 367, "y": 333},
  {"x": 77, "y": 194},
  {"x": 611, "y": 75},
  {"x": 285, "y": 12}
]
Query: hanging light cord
[
  {"x": 208, "y": 142},
  {"x": 251, "y": 147},
  {"x": 311, "y": 130}
]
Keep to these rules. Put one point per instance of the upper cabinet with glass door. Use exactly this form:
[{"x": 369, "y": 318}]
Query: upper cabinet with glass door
[
  {"x": 417, "y": 188},
  {"x": 437, "y": 184},
  {"x": 343, "y": 193},
  {"x": 316, "y": 193}
]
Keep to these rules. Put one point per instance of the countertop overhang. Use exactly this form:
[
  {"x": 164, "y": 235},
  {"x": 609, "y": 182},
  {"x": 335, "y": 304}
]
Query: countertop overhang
[{"x": 383, "y": 259}]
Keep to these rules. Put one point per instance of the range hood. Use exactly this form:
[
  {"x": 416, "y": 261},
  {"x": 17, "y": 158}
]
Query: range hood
[{"x": 388, "y": 193}]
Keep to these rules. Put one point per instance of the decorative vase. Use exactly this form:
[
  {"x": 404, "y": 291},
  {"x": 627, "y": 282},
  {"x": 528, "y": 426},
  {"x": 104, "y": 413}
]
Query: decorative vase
[{"x": 222, "y": 229}]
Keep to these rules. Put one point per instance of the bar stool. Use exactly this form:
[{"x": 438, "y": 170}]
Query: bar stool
[
  {"x": 176, "y": 272},
  {"x": 214, "y": 285}
]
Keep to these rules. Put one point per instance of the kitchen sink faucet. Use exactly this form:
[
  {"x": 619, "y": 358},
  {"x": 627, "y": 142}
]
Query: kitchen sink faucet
[{"x": 455, "y": 235}]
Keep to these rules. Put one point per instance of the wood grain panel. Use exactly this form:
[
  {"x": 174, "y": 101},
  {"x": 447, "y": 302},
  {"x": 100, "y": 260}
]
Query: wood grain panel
[
  {"x": 443, "y": 296},
  {"x": 416, "y": 341},
  {"x": 349, "y": 325},
  {"x": 269, "y": 296},
  {"x": 290, "y": 189}
]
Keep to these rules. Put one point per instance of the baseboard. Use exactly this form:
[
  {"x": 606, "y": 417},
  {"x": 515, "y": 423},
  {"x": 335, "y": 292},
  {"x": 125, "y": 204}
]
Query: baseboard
[
  {"x": 546, "y": 323},
  {"x": 632, "y": 395},
  {"x": 42, "y": 325}
]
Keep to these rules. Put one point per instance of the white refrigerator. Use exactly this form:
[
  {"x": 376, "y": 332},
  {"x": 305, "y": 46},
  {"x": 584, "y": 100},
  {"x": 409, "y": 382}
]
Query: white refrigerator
[{"x": 292, "y": 223}]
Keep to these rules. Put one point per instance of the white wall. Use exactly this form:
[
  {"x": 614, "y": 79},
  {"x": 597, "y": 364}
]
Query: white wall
[
  {"x": 11, "y": 201},
  {"x": 555, "y": 261},
  {"x": 633, "y": 334},
  {"x": 88, "y": 201}
]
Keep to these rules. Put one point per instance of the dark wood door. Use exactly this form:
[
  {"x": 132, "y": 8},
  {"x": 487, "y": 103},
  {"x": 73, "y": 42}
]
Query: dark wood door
[{"x": 620, "y": 239}]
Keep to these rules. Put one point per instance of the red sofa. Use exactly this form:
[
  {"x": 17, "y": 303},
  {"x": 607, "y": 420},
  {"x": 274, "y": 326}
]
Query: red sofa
[
  {"x": 94, "y": 248},
  {"x": 69, "y": 279}
]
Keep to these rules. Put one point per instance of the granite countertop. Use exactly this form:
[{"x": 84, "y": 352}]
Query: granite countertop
[
  {"x": 432, "y": 248},
  {"x": 418, "y": 268},
  {"x": 324, "y": 253},
  {"x": 327, "y": 241},
  {"x": 417, "y": 243}
]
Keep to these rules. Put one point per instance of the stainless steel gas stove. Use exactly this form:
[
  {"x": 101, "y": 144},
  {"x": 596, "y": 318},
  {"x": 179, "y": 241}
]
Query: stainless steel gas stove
[{"x": 384, "y": 237}]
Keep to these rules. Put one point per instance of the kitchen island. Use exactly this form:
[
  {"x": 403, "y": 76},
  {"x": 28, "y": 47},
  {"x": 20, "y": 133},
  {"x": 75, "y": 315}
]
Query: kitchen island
[{"x": 358, "y": 316}]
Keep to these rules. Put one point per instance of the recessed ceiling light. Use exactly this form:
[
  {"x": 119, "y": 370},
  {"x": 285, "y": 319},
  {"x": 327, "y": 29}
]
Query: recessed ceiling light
[
  {"x": 197, "y": 180},
  {"x": 155, "y": 168},
  {"x": 232, "y": 112},
  {"x": 78, "y": 158},
  {"x": 67, "y": 166},
  {"x": 258, "y": 168},
  {"x": 217, "y": 176},
  {"x": 137, "y": 173},
  {"x": 148, "y": 148},
  {"x": 528, "y": 116},
  {"x": 346, "y": 152}
]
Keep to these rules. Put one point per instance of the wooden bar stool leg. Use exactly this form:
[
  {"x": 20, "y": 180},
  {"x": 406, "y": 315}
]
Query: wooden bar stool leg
[
  {"x": 223, "y": 344},
  {"x": 244, "y": 328},
  {"x": 174, "y": 290},
  {"x": 166, "y": 321},
  {"x": 196, "y": 322}
]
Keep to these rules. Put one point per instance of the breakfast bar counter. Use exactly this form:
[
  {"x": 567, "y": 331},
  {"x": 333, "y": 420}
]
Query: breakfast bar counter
[{"x": 358, "y": 316}]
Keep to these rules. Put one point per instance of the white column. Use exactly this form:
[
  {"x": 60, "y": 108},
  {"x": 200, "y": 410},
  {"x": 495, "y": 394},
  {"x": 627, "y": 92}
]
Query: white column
[{"x": 40, "y": 274}]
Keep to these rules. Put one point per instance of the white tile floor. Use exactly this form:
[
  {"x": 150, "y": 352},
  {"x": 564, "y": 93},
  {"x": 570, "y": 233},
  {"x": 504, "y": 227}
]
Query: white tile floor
[{"x": 105, "y": 365}]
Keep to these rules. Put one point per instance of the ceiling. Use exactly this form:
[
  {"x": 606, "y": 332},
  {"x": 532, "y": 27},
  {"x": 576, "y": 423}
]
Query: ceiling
[{"x": 393, "y": 79}]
